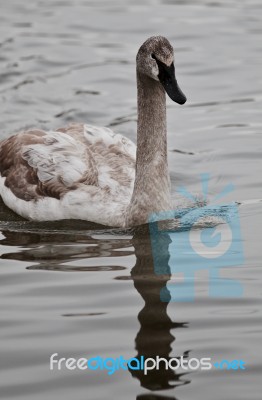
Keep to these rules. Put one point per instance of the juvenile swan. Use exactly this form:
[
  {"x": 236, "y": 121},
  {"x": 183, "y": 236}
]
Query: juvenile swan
[{"x": 90, "y": 173}]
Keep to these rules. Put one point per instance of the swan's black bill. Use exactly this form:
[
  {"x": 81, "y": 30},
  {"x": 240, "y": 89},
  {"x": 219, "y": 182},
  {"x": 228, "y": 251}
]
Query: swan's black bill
[{"x": 167, "y": 77}]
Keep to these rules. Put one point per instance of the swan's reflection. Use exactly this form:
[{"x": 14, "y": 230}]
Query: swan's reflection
[
  {"x": 154, "y": 337},
  {"x": 58, "y": 251}
]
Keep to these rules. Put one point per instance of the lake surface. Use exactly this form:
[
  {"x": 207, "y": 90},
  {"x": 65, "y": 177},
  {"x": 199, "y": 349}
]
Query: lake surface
[{"x": 80, "y": 290}]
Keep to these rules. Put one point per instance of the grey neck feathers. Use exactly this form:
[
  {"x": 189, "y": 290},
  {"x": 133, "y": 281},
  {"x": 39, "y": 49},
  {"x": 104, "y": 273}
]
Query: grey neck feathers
[{"x": 152, "y": 184}]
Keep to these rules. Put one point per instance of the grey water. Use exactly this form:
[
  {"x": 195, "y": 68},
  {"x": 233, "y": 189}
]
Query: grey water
[{"x": 81, "y": 290}]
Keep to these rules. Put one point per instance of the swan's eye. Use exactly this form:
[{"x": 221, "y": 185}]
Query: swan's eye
[{"x": 153, "y": 56}]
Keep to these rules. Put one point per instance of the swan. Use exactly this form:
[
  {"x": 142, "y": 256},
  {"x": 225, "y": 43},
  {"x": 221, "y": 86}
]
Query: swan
[{"x": 91, "y": 173}]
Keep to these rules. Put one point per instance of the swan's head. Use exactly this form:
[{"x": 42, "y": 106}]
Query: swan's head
[{"x": 155, "y": 58}]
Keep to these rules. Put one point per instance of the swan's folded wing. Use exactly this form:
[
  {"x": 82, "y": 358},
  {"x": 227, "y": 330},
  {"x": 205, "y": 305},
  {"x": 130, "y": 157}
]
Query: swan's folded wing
[
  {"x": 112, "y": 141},
  {"x": 98, "y": 137},
  {"x": 37, "y": 164}
]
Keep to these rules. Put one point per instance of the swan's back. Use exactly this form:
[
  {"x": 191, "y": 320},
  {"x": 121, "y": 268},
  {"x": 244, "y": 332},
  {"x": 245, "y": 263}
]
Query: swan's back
[{"x": 64, "y": 173}]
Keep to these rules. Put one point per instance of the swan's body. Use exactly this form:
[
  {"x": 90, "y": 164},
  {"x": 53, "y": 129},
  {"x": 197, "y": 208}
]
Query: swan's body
[
  {"x": 90, "y": 173},
  {"x": 78, "y": 172}
]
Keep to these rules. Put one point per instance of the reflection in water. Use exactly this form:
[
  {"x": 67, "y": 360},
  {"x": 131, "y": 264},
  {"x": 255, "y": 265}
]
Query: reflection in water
[
  {"x": 58, "y": 252},
  {"x": 154, "y": 337},
  {"x": 54, "y": 252},
  {"x": 154, "y": 397}
]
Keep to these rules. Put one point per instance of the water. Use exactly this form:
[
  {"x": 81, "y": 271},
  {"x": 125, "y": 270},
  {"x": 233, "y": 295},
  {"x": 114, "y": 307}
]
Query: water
[{"x": 79, "y": 290}]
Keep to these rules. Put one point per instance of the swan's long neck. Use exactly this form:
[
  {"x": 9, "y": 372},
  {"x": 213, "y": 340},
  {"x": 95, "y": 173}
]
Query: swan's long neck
[{"x": 152, "y": 184}]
